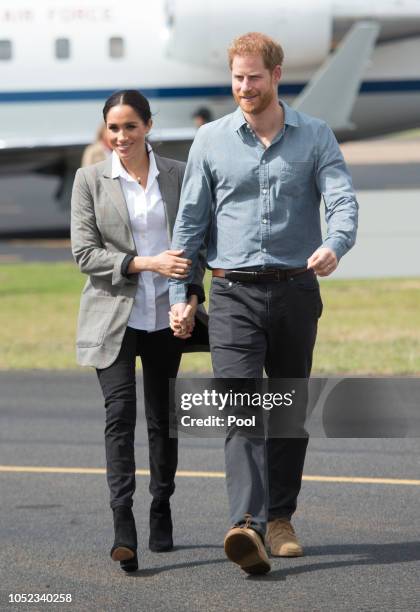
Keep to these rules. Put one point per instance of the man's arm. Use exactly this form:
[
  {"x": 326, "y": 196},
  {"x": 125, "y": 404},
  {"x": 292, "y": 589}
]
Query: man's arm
[
  {"x": 196, "y": 286},
  {"x": 341, "y": 208},
  {"x": 193, "y": 217}
]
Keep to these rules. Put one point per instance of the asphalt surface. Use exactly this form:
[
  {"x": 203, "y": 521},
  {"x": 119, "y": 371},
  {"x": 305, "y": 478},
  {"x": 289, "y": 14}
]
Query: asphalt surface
[
  {"x": 47, "y": 251},
  {"x": 27, "y": 202},
  {"x": 362, "y": 541}
]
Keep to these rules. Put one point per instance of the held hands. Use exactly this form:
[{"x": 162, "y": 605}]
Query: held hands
[
  {"x": 323, "y": 262},
  {"x": 181, "y": 318}
]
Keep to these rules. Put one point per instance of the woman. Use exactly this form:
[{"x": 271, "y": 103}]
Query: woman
[
  {"x": 97, "y": 151},
  {"x": 123, "y": 212}
]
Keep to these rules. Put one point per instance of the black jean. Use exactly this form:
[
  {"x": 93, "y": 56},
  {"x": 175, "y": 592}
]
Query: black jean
[
  {"x": 160, "y": 354},
  {"x": 251, "y": 327}
]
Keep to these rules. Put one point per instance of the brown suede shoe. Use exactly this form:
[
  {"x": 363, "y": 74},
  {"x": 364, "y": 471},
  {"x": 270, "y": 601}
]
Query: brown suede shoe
[
  {"x": 282, "y": 540},
  {"x": 245, "y": 547}
]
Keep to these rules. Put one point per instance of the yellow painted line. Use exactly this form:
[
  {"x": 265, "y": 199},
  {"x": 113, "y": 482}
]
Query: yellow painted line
[
  {"x": 28, "y": 469},
  {"x": 192, "y": 474},
  {"x": 363, "y": 480}
]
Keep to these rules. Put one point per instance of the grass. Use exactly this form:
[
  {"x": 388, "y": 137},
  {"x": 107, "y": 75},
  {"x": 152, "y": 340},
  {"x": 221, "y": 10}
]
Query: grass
[
  {"x": 368, "y": 326},
  {"x": 405, "y": 135}
]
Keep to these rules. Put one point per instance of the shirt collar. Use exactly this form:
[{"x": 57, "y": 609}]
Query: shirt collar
[
  {"x": 118, "y": 170},
  {"x": 290, "y": 116}
]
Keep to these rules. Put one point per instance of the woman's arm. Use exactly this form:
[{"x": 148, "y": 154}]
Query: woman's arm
[
  {"x": 167, "y": 263},
  {"x": 86, "y": 242},
  {"x": 94, "y": 259}
]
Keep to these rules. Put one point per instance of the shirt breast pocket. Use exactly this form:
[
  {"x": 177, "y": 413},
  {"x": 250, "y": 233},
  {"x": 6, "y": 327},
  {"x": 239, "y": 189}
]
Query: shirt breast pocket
[{"x": 295, "y": 176}]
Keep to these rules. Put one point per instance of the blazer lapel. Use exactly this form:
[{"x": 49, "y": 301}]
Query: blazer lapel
[
  {"x": 113, "y": 188},
  {"x": 169, "y": 189}
]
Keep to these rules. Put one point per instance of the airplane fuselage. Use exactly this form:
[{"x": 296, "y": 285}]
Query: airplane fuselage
[{"x": 60, "y": 60}]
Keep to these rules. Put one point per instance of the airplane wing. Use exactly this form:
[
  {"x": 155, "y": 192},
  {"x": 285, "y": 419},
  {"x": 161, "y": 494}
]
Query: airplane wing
[
  {"x": 333, "y": 89},
  {"x": 61, "y": 157},
  {"x": 34, "y": 154}
]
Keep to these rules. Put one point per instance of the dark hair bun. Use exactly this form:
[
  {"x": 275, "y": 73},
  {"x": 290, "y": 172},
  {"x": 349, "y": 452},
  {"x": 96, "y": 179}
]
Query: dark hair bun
[{"x": 132, "y": 98}]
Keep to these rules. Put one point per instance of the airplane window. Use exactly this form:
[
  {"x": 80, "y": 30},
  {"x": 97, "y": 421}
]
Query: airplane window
[
  {"x": 5, "y": 49},
  {"x": 62, "y": 48},
  {"x": 116, "y": 47}
]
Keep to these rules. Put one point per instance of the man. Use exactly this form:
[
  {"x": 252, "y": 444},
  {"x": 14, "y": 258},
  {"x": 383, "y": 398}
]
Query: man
[
  {"x": 254, "y": 181},
  {"x": 202, "y": 116}
]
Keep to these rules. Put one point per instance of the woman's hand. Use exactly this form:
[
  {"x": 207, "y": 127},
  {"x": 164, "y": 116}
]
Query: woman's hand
[
  {"x": 183, "y": 324},
  {"x": 167, "y": 263}
]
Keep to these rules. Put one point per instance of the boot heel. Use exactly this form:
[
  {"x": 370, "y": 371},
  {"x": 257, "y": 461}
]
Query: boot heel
[{"x": 125, "y": 543}]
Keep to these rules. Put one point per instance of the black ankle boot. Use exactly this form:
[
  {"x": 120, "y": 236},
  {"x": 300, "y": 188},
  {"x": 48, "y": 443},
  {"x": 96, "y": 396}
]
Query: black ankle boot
[
  {"x": 125, "y": 544},
  {"x": 160, "y": 539},
  {"x": 131, "y": 565}
]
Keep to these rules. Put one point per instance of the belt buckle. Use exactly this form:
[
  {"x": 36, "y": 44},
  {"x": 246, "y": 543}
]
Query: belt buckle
[
  {"x": 239, "y": 275},
  {"x": 272, "y": 275}
]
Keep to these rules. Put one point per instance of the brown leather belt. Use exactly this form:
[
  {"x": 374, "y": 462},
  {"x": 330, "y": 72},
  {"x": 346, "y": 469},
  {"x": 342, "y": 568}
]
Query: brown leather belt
[{"x": 260, "y": 276}]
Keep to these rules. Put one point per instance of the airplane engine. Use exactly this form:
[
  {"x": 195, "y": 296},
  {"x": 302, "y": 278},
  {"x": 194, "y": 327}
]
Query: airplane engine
[{"x": 200, "y": 33}]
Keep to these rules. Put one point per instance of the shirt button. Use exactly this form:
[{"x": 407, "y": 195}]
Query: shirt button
[
  {"x": 264, "y": 220},
  {"x": 264, "y": 190},
  {"x": 264, "y": 250}
]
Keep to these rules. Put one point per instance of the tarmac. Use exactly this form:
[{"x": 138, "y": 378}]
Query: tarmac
[
  {"x": 361, "y": 537},
  {"x": 358, "y": 514}
]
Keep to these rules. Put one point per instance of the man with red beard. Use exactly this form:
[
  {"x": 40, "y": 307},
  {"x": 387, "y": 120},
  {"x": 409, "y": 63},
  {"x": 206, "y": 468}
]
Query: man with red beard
[{"x": 253, "y": 185}]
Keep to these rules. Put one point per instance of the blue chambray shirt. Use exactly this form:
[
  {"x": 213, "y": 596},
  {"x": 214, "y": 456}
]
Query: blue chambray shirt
[{"x": 260, "y": 207}]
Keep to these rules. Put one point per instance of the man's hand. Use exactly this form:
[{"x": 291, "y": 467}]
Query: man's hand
[
  {"x": 323, "y": 262},
  {"x": 182, "y": 318}
]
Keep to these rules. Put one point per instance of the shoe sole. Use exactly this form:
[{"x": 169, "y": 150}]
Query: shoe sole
[
  {"x": 240, "y": 549},
  {"x": 297, "y": 553},
  {"x": 122, "y": 553},
  {"x": 287, "y": 555}
]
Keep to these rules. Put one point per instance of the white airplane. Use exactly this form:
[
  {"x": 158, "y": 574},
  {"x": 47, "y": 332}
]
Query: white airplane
[{"x": 355, "y": 63}]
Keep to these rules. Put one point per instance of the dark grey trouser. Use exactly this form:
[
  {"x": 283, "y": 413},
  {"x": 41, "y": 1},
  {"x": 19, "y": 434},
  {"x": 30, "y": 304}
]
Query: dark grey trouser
[{"x": 251, "y": 327}]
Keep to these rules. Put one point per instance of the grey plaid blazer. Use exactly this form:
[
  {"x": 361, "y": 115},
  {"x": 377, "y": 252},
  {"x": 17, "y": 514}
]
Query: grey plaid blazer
[{"x": 101, "y": 238}]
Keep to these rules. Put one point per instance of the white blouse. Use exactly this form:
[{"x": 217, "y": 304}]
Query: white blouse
[{"x": 149, "y": 228}]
